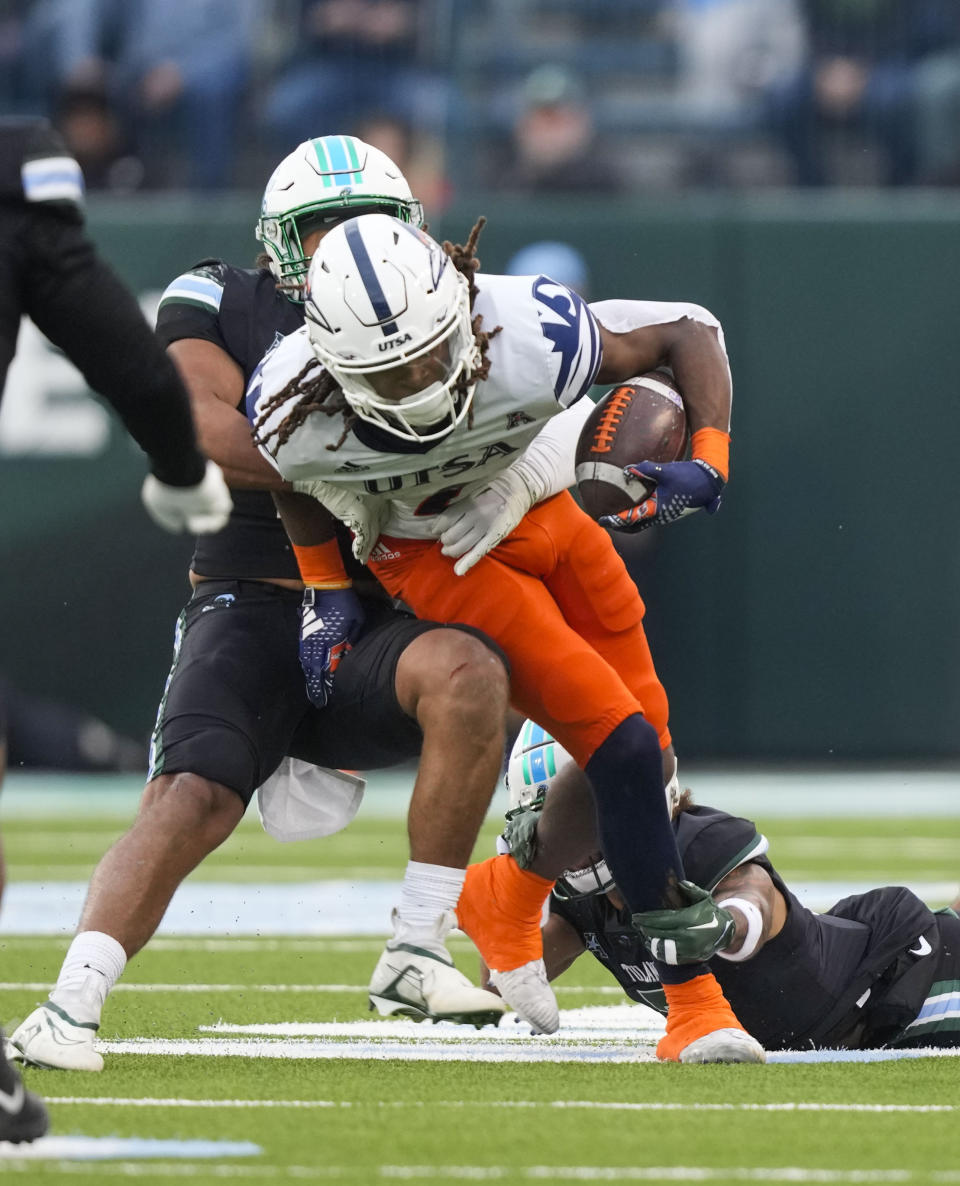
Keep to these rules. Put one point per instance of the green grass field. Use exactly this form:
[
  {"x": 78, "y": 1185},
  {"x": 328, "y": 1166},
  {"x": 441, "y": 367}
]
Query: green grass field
[{"x": 337, "y": 1095}]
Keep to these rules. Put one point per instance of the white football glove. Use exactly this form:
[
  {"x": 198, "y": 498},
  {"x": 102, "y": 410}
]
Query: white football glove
[
  {"x": 473, "y": 527},
  {"x": 200, "y": 509},
  {"x": 363, "y": 516}
]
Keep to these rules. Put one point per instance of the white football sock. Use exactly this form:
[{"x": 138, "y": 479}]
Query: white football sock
[
  {"x": 427, "y": 891},
  {"x": 93, "y": 964}
]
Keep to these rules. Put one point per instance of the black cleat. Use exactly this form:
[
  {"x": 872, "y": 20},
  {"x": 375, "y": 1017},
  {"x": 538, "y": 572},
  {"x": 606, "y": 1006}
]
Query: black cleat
[{"x": 23, "y": 1116}]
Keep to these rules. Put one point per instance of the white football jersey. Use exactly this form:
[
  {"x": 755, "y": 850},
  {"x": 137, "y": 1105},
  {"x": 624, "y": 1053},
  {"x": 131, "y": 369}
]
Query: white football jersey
[{"x": 544, "y": 358}]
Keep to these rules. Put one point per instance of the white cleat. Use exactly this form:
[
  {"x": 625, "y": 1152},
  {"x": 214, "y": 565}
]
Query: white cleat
[
  {"x": 724, "y": 1045},
  {"x": 527, "y": 990},
  {"x": 51, "y": 1039},
  {"x": 422, "y": 983}
]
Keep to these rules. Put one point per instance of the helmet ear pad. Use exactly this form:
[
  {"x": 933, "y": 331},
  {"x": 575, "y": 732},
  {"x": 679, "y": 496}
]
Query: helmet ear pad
[{"x": 382, "y": 296}]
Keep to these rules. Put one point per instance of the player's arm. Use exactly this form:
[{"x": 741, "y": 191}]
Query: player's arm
[
  {"x": 331, "y": 616},
  {"x": 561, "y": 946},
  {"x": 759, "y": 909},
  {"x": 77, "y": 300},
  {"x": 215, "y": 384},
  {"x": 638, "y": 336},
  {"x": 689, "y": 340}
]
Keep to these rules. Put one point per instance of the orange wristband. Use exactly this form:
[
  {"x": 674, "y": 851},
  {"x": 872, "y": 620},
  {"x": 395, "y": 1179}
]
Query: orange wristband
[
  {"x": 321, "y": 565},
  {"x": 712, "y": 446}
]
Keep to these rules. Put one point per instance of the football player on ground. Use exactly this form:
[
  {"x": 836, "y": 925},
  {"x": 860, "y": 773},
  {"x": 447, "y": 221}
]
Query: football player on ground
[
  {"x": 235, "y": 707},
  {"x": 405, "y": 405},
  {"x": 877, "y": 969}
]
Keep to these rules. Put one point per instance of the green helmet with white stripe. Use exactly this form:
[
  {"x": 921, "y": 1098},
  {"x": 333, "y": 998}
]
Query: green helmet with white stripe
[{"x": 320, "y": 183}]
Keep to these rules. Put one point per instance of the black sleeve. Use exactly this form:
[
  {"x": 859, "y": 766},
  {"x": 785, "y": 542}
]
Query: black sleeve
[
  {"x": 190, "y": 305},
  {"x": 79, "y": 303}
]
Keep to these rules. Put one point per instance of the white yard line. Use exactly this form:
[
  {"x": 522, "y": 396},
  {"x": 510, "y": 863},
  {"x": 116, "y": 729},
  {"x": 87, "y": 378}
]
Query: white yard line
[
  {"x": 20, "y": 1162},
  {"x": 510, "y": 1105}
]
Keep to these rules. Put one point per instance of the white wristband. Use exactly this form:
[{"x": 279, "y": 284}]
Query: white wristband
[{"x": 754, "y": 919}]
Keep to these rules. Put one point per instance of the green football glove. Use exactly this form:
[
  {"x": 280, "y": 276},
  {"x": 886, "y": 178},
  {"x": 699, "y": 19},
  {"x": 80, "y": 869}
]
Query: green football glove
[
  {"x": 690, "y": 935},
  {"x": 520, "y": 832}
]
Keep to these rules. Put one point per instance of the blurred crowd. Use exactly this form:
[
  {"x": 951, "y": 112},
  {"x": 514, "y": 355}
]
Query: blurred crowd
[{"x": 524, "y": 96}]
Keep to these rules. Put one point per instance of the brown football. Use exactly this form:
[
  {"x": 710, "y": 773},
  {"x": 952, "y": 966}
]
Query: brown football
[{"x": 641, "y": 420}]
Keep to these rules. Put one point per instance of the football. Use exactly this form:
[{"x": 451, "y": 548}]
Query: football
[{"x": 641, "y": 420}]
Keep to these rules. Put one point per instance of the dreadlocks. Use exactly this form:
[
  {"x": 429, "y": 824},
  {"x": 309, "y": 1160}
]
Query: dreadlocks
[{"x": 322, "y": 393}]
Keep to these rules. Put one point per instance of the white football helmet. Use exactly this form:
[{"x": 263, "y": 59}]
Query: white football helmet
[
  {"x": 382, "y": 295},
  {"x": 535, "y": 761},
  {"x": 321, "y": 182}
]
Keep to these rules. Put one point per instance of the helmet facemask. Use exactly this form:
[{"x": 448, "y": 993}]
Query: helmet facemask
[
  {"x": 388, "y": 315},
  {"x": 448, "y": 360},
  {"x": 594, "y": 878}
]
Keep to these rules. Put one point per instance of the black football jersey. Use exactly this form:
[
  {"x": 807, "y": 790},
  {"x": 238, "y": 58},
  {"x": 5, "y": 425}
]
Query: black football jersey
[
  {"x": 241, "y": 311},
  {"x": 806, "y": 987},
  {"x": 36, "y": 166}
]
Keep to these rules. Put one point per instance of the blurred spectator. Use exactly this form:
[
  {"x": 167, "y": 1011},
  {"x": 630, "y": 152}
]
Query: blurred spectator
[
  {"x": 731, "y": 51},
  {"x": 938, "y": 118},
  {"x": 555, "y": 147},
  {"x": 418, "y": 154},
  {"x": 179, "y": 70},
  {"x": 864, "y": 73},
  {"x": 559, "y": 261},
  {"x": 184, "y": 67},
  {"x": 356, "y": 58},
  {"x": 12, "y": 16},
  {"x": 97, "y": 137}
]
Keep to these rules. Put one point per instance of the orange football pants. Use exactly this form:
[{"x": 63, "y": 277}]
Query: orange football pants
[{"x": 558, "y": 599}]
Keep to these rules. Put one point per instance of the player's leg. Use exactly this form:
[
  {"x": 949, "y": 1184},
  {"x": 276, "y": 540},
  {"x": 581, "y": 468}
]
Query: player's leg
[
  {"x": 408, "y": 688},
  {"x": 596, "y": 596},
  {"x": 23, "y": 1116},
  {"x": 550, "y": 668},
  {"x": 13, "y": 238},
  {"x": 594, "y": 592},
  {"x": 232, "y": 702},
  {"x": 559, "y": 680},
  {"x": 564, "y": 684}
]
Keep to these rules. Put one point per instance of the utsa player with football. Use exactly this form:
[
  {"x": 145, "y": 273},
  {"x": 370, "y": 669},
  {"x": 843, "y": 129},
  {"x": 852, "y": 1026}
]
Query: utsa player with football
[
  {"x": 235, "y": 711},
  {"x": 877, "y": 969},
  {"x": 407, "y": 405}
]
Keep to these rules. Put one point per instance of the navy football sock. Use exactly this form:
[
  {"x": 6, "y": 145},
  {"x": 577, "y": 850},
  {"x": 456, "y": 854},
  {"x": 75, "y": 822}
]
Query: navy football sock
[{"x": 636, "y": 835}]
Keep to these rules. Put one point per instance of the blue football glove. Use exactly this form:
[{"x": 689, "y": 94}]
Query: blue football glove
[
  {"x": 675, "y": 489},
  {"x": 331, "y": 621}
]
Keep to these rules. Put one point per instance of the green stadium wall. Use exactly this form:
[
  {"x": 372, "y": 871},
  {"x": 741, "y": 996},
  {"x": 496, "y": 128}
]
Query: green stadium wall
[{"x": 815, "y": 618}]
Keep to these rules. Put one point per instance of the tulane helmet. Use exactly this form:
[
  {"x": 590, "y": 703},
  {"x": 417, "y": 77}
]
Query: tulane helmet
[
  {"x": 535, "y": 761},
  {"x": 388, "y": 315},
  {"x": 320, "y": 183}
]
